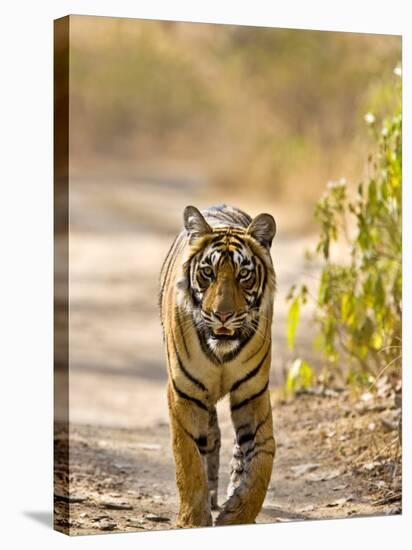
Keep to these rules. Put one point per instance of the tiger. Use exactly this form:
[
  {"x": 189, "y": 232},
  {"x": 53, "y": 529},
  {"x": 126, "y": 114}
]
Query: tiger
[{"x": 217, "y": 287}]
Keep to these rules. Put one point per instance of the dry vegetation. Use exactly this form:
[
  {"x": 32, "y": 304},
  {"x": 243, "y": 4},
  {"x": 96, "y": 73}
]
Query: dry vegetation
[{"x": 273, "y": 110}]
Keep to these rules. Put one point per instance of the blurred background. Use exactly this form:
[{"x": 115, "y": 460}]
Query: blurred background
[{"x": 165, "y": 114}]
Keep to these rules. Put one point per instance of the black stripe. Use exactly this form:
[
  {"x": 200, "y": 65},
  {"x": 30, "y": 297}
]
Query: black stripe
[
  {"x": 251, "y": 373},
  {"x": 171, "y": 256},
  {"x": 262, "y": 283},
  {"x": 264, "y": 452},
  {"x": 212, "y": 417},
  {"x": 242, "y": 427},
  {"x": 249, "y": 399},
  {"x": 254, "y": 434},
  {"x": 237, "y": 239},
  {"x": 195, "y": 381},
  {"x": 260, "y": 444},
  {"x": 245, "y": 438},
  {"x": 200, "y": 441},
  {"x": 215, "y": 240},
  {"x": 168, "y": 361},
  {"x": 258, "y": 350},
  {"x": 215, "y": 446},
  {"x": 184, "y": 395},
  {"x": 264, "y": 277},
  {"x": 195, "y": 298},
  {"x": 236, "y": 245},
  {"x": 179, "y": 324},
  {"x": 189, "y": 272},
  {"x": 263, "y": 421}
]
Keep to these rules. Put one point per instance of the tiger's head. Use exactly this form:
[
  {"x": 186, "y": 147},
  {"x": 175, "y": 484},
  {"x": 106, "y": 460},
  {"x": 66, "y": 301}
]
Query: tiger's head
[{"x": 226, "y": 277}]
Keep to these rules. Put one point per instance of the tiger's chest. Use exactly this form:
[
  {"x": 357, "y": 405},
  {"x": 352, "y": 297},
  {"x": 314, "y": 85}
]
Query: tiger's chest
[{"x": 220, "y": 378}]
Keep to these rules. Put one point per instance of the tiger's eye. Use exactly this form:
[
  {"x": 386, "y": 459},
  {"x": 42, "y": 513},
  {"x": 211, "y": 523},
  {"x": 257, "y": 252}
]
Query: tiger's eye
[
  {"x": 208, "y": 271},
  {"x": 243, "y": 272}
]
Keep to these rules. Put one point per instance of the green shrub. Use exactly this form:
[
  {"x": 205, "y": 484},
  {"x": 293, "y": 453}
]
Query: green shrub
[{"x": 358, "y": 306}]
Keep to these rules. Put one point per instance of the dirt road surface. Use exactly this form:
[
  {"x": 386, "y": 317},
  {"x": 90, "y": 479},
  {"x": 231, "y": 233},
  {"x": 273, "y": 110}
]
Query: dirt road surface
[{"x": 337, "y": 457}]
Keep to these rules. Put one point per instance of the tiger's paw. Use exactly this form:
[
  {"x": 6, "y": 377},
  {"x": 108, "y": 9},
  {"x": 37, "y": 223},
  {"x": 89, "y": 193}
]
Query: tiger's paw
[
  {"x": 227, "y": 517},
  {"x": 236, "y": 511},
  {"x": 229, "y": 514},
  {"x": 198, "y": 520}
]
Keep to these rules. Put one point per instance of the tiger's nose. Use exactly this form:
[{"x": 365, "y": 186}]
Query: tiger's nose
[{"x": 223, "y": 317}]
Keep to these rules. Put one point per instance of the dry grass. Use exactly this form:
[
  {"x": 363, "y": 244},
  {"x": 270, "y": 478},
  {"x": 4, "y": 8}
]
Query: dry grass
[{"x": 275, "y": 111}]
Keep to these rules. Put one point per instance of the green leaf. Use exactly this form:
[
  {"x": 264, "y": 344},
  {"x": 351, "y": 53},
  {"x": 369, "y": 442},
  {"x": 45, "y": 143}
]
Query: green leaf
[
  {"x": 293, "y": 322},
  {"x": 300, "y": 376}
]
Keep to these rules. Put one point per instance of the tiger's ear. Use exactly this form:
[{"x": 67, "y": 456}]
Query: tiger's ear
[
  {"x": 195, "y": 223},
  {"x": 263, "y": 229}
]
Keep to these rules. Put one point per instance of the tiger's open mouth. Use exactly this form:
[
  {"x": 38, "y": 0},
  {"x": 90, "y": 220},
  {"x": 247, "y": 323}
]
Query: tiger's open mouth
[
  {"x": 224, "y": 330},
  {"x": 224, "y": 333}
]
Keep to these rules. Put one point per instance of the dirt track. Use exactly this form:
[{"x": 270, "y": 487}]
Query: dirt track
[{"x": 337, "y": 457}]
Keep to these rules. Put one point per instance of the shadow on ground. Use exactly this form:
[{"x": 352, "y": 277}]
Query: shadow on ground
[{"x": 44, "y": 518}]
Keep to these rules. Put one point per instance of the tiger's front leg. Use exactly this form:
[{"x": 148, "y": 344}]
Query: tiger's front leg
[
  {"x": 254, "y": 451},
  {"x": 189, "y": 428},
  {"x": 213, "y": 458}
]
